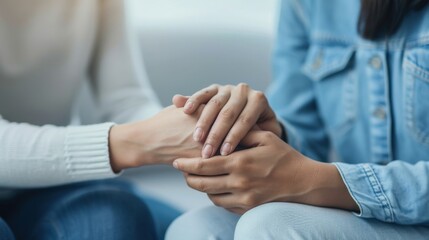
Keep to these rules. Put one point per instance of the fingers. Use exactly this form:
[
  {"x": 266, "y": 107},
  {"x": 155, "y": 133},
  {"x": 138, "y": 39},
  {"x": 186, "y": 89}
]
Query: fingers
[
  {"x": 210, "y": 185},
  {"x": 257, "y": 138},
  {"x": 204, "y": 167},
  {"x": 224, "y": 120},
  {"x": 200, "y": 97},
  {"x": 208, "y": 117},
  {"x": 179, "y": 100},
  {"x": 245, "y": 122}
]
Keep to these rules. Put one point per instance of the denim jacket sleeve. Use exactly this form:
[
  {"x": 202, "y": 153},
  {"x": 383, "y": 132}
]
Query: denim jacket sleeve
[
  {"x": 397, "y": 192},
  {"x": 291, "y": 93}
]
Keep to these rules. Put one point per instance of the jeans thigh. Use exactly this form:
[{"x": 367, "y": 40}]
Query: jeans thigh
[
  {"x": 296, "y": 221},
  {"x": 5, "y": 232},
  {"x": 113, "y": 202}
]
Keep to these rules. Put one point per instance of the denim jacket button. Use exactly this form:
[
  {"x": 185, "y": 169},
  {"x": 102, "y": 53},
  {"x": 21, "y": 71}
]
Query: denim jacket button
[
  {"x": 376, "y": 62},
  {"x": 380, "y": 113}
]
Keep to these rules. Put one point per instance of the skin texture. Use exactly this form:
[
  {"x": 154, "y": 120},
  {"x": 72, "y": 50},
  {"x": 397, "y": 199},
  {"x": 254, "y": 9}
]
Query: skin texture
[
  {"x": 158, "y": 140},
  {"x": 267, "y": 170},
  {"x": 231, "y": 112}
]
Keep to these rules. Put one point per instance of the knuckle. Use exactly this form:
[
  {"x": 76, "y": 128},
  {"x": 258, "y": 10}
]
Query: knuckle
[
  {"x": 203, "y": 122},
  {"x": 214, "y": 86},
  {"x": 201, "y": 186},
  {"x": 267, "y": 135},
  {"x": 240, "y": 163},
  {"x": 205, "y": 91},
  {"x": 228, "y": 114},
  {"x": 243, "y": 86},
  {"x": 242, "y": 184},
  {"x": 213, "y": 138},
  {"x": 199, "y": 167},
  {"x": 246, "y": 119},
  {"x": 189, "y": 182},
  {"x": 233, "y": 137},
  {"x": 216, "y": 102},
  {"x": 197, "y": 98},
  {"x": 259, "y": 96}
]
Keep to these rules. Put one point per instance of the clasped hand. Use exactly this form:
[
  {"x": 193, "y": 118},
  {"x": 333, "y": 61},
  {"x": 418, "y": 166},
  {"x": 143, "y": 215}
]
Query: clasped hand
[
  {"x": 266, "y": 170},
  {"x": 269, "y": 170}
]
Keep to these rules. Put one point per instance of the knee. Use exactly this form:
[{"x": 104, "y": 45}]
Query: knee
[
  {"x": 5, "y": 232},
  {"x": 99, "y": 214},
  {"x": 204, "y": 224},
  {"x": 277, "y": 221}
]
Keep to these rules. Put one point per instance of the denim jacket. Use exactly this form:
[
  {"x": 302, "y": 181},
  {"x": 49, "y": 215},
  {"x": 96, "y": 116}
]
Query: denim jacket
[{"x": 363, "y": 103}]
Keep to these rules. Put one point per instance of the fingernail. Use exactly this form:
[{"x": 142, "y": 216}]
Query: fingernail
[
  {"x": 189, "y": 105},
  {"x": 176, "y": 164},
  {"x": 226, "y": 149},
  {"x": 198, "y": 134},
  {"x": 207, "y": 151}
]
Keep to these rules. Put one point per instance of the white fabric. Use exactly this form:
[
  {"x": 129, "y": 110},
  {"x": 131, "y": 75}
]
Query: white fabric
[{"x": 48, "y": 48}]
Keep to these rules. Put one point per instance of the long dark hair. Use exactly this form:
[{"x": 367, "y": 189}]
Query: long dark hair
[{"x": 379, "y": 18}]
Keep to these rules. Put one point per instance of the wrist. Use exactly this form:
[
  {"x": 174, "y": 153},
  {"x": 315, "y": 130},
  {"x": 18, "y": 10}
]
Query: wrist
[
  {"x": 324, "y": 187},
  {"x": 123, "y": 147}
]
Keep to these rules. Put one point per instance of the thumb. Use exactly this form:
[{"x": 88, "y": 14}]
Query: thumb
[
  {"x": 179, "y": 100},
  {"x": 253, "y": 139}
]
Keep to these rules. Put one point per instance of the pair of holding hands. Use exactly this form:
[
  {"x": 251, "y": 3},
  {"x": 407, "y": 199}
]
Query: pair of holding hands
[
  {"x": 266, "y": 170},
  {"x": 212, "y": 124}
]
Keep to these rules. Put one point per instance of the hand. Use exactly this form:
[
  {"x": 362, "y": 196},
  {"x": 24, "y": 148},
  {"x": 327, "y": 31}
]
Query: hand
[
  {"x": 231, "y": 112},
  {"x": 270, "y": 171},
  {"x": 158, "y": 140}
]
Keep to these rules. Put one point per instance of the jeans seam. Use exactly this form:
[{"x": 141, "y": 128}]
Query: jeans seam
[{"x": 379, "y": 192}]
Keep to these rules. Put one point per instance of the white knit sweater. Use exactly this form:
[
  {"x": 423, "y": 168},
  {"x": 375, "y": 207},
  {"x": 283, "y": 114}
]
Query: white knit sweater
[{"x": 48, "y": 48}]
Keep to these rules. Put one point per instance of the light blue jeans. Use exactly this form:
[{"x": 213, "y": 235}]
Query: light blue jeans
[{"x": 286, "y": 221}]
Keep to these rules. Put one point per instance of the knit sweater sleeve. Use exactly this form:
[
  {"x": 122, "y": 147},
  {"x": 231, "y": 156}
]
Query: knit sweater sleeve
[
  {"x": 33, "y": 156},
  {"x": 117, "y": 73}
]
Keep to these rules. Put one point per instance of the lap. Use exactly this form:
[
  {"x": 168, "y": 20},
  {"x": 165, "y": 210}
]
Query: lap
[
  {"x": 205, "y": 223},
  {"x": 287, "y": 221},
  {"x": 106, "y": 209},
  {"x": 5, "y": 232},
  {"x": 296, "y": 221}
]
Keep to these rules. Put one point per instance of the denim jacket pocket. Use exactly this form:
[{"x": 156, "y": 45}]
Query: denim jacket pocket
[
  {"x": 335, "y": 85},
  {"x": 416, "y": 93}
]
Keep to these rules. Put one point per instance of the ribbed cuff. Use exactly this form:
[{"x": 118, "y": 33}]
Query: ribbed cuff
[{"x": 87, "y": 152}]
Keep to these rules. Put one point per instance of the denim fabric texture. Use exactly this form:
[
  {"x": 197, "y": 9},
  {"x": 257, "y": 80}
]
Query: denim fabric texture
[
  {"x": 286, "y": 221},
  {"x": 5, "y": 232},
  {"x": 107, "y": 210},
  {"x": 361, "y": 104}
]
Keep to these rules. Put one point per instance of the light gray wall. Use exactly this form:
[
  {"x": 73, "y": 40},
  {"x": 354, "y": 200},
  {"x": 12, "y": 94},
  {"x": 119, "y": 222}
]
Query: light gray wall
[{"x": 190, "y": 44}]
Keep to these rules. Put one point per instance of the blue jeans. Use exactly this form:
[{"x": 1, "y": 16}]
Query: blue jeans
[
  {"x": 287, "y": 221},
  {"x": 93, "y": 210},
  {"x": 5, "y": 232}
]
